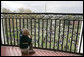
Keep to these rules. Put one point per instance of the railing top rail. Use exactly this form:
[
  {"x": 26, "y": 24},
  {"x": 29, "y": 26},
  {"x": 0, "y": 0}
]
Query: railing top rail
[
  {"x": 48, "y": 13},
  {"x": 48, "y": 19}
]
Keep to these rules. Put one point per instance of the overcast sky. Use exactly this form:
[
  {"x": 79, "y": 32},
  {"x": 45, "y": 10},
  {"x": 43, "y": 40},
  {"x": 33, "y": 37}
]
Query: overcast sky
[{"x": 51, "y": 6}]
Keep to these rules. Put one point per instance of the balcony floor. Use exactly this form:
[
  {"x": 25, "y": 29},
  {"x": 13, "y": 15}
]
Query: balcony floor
[{"x": 15, "y": 51}]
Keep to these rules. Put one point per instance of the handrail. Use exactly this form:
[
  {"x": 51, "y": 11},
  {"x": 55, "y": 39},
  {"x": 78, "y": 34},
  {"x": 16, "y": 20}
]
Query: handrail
[{"x": 48, "y": 13}]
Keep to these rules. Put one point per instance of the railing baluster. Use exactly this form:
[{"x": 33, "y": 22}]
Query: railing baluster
[
  {"x": 46, "y": 32},
  {"x": 54, "y": 34},
  {"x": 76, "y": 37},
  {"x": 59, "y": 34},
  {"x": 42, "y": 32},
  {"x": 50, "y": 32},
  {"x": 6, "y": 31},
  {"x": 31, "y": 26},
  {"x": 35, "y": 32},
  {"x": 27, "y": 22},
  {"x": 67, "y": 35},
  {"x": 72, "y": 38},
  {"x": 10, "y": 31},
  {"x": 17, "y": 30},
  {"x": 20, "y": 23},
  {"x": 13, "y": 30},
  {"x": 1, "y": 40},
  {"x": 81, "y": 41},
  {"x": 3, "y": 30},
  {"x": 38, "y": 31},
  {"x": 63, "y": 35},
  {"x": 23, "y": 22}
]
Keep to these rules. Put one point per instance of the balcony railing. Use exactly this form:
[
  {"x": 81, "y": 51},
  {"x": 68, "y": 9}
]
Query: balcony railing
[{"x": 53, "y": 31}]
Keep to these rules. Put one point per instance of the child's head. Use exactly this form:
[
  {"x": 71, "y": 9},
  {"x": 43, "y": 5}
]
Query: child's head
[{"x": 25, "y": 31}]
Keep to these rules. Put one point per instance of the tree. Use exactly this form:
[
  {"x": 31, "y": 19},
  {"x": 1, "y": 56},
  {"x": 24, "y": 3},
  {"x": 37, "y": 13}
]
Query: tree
[
  {"x": 22, "y": 10},
  {"x": 27, "y": 11},
  {"x": 5, "y": 10},
  {"x": 14, "y": 11}
]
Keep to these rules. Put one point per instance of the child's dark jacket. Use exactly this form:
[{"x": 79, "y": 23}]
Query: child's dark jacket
[{"x": 25, "y": 41}]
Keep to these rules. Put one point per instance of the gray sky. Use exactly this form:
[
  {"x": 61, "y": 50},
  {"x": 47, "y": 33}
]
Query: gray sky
[{"x": 51, "y": 6}]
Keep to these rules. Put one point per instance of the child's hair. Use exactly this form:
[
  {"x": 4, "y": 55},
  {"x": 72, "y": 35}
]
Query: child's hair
[{"x": 25, "y": 31}]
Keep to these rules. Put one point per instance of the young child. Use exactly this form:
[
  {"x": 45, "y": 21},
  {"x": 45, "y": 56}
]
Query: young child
[{"x": 25, "y": 41}]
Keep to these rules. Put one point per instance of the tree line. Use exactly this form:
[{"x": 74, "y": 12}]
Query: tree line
[{"x": 20, "y": 10}]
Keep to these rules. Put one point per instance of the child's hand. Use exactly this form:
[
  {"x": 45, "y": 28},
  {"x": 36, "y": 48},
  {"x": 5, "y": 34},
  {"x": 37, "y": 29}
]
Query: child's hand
[{"x": 30, "y": 36}]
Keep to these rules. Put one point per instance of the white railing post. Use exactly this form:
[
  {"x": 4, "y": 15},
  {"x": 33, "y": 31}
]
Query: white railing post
[
  {"x": 2, "y": 39},
  {"x": 80, "y": 40},
  {"x": 2, "y": 36}
]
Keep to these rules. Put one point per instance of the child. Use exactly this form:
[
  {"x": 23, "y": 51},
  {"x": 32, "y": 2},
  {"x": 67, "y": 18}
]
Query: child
[{"x": 25, "y": 42}]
